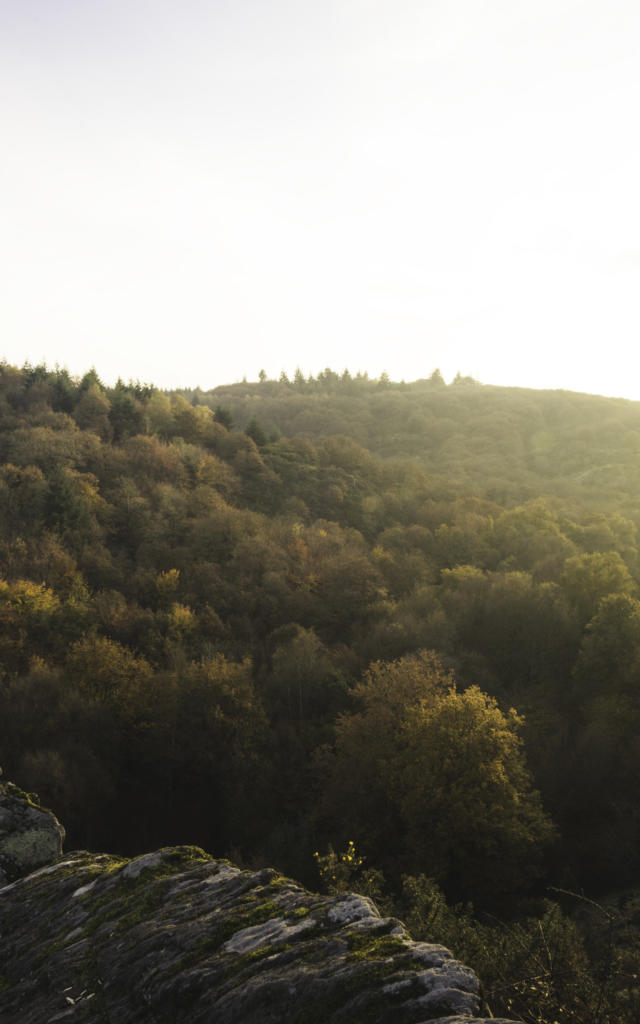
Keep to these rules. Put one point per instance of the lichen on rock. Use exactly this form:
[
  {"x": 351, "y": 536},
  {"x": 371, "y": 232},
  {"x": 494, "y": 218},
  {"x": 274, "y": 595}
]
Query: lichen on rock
[{"x": 30, "y": 836}]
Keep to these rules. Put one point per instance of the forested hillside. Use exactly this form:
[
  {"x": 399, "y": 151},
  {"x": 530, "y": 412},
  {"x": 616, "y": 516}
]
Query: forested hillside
[{"x": 280, "y": 615}]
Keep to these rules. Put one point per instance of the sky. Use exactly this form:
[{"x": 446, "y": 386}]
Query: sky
[{"x": 191, "y": 192}]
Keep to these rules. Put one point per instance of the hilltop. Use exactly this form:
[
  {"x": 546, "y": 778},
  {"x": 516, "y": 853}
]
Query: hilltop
[{"x": 277, "y": 618}]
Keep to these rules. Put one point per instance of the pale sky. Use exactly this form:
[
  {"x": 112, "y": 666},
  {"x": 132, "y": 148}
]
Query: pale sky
[{"x": 192, "y": 191}]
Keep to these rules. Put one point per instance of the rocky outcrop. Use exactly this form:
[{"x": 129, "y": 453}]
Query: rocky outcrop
[
  {"x": 29, "y": 835},
  {"x": 175, "y": 936}
]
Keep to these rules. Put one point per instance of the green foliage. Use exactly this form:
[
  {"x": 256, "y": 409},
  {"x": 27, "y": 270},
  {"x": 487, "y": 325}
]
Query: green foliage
[
  {"x": 338, "y": 871},
  {"x": 589, "y": 578},
  {"x": 107, "y": 671},
  {"x": 540, "y": 966},
  {"x": 189, "y": 609},
  {"x": 436, "y": 778},
  {"x": 255, "y": 432},
  {"x": 345, "y": 872},
  {"x": 465, "y": 795},
  {"x": 224, "y": 417}
]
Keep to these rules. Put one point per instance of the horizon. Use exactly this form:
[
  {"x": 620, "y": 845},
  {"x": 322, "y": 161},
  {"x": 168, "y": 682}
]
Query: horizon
[
  {"x": 467, "y": 379},
  {"x": 392, "y": 185}
]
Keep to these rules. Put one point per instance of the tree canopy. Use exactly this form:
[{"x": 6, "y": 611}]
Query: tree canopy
[{"x": 206, "y": 589}]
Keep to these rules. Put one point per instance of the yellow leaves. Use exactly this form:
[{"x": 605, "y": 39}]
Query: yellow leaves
[
  {"x": 34, "y": 599},
  {"x": 338, "y": 871},
  {"x": 106, "y": 669},
  {"x": 92, "y": 413},
  {"x": 588, "y": 578},
  {"x": 381, "y": 555},
  {"x": 401, "y": 684},
  {"x": 213, "y": 472},
  {"x": 86, "y": 486},
  {"x": 167, "y": 582},
  {"x": 182, "y": 621},
  {"x": 159, "y": 415},
  {"x": 463, "y": 575},
  {"x": 446, "y": 765}
]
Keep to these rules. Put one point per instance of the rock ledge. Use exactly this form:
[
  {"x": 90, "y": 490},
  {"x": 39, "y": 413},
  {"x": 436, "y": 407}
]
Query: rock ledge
[{"x": 174, "y": 936}]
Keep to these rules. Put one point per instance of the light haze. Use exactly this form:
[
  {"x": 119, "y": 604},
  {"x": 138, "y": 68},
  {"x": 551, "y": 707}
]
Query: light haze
[{"x": 193, "y": 191}]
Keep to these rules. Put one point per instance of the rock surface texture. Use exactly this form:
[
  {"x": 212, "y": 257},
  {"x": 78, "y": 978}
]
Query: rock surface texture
[
  {"x": 29, "y": 836},
  {"x": 175, "y": 936}
]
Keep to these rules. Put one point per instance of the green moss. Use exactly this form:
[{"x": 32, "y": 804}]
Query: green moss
[
  {"x": 199, "y": 951},
  {"x": 260, "y": 912},
  {"x": 260, "y": 954},
  {"x": 341, "y": 991},
  {"x": 364, "y": 946},
  {"x": 248, "y": 959},
  {"x": 179, "y": 856},
  {"x": 140, "y": 907},
  {"x": 229, "y": 965},
  {"x": 263, "y": 911},
  {"x": 129, "y": 901},
  {"x": 256, "y": 913},
  {"x": 276, "y": 884},
  {"x": 298, "y": 912},
  {"x": 20, "y": 794}
]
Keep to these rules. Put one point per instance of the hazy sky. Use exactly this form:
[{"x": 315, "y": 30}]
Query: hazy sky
[{"x": 190, "y": 191}]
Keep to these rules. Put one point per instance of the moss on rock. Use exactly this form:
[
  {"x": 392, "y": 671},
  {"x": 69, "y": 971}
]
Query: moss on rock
[{"x": 175, "y": 936}]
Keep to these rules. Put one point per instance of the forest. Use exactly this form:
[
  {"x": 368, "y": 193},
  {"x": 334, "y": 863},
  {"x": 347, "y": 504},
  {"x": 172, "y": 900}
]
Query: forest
[{"x": 382, "y": 636}]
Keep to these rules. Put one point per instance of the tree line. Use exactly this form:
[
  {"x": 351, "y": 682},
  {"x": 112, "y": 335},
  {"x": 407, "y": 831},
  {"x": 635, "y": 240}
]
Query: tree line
[{"x": 288, "y": 614}]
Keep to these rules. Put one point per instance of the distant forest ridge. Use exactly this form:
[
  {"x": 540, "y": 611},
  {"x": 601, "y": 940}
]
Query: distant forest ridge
[{"x": 279, "y": 618}]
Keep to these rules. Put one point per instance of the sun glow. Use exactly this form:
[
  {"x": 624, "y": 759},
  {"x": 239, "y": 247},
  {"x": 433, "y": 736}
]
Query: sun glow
[{"x": 193, "y": 193}]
